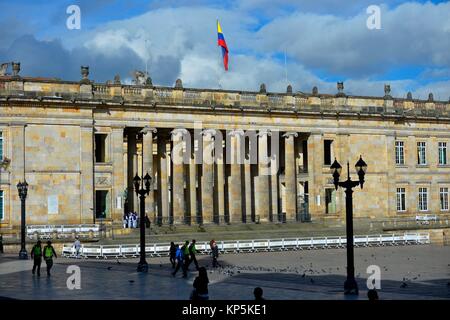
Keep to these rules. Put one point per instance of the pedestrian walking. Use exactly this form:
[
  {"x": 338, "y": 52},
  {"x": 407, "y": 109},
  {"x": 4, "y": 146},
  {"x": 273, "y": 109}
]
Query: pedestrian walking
[
  {"x": 180, "y": 261},
  {"x": 130, "y": 220},
  {"x": 200, "y": 284},
  {"x": 134, "y": 220},
  {"x": 36, "y": 255},
  {"x": 192, "y": 253},
  {"x": 77, "y": 246},
  {"x": 125, "y": 220},
  {"x": 49, "y": 253},
  {"x": 173, "y": 254},
  {"x": 147, "y": 221},
  {"x": 187, "y": 260},
  {"x": 214, "y": 253}
]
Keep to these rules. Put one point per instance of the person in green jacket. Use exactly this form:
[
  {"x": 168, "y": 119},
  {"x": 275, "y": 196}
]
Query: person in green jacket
[
  {"x": 192, "y": 253},
  {"x": 49, "y": 252},
  {"x": 36, "y": 255}
]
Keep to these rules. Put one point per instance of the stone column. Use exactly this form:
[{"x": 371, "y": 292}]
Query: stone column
[
  {"x": 290, "y": 176},
  {"x": 262, "y": 192},
  {"x": 235, "y": 181},
  {"x": 192, "y": 183},
  {"x": 163, "y": 191},
  {"x": 118, "y": 173},
  {"x": 274, "y": 169},
  {"x": 178, "y": 175},
  {"x": 147, "y": 150},
  {"x": 315, "y": 160},
  {"x": 220, "y": 185},
  {"x": 132, "y": 169},
  {"x": 207, "y": 176},
  {"x": 248, "y": 184}
]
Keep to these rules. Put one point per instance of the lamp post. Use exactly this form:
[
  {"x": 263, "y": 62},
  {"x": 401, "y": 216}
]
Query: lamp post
[
  {"x": 142, "y": 188},
  {"x": 350, "y": 286},
  {"x": 22, "y": 187}
]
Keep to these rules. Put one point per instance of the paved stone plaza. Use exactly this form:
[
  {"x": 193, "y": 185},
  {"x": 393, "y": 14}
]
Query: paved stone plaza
[{"x": 315, "y": 274}]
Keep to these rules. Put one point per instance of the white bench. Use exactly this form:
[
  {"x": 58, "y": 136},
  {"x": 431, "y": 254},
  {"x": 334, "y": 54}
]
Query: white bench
[{"x": 242, "y": 246}]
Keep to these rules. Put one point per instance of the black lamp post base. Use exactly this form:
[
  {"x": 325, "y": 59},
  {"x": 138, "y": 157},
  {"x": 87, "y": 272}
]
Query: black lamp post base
[
  {"x": 23, "y": 254},
  {"x": 350, "y": 287},
  {"x": 142, "y": 266}
]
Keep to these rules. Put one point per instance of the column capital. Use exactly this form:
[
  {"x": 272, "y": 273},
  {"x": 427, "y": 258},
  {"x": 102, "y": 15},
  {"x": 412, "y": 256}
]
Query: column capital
[
  {"x": 148, "y": 129},
  {"x": 178, "y": 131},
  {"x": 209, "y": 133},
  {"x": 264, "y": 132},
  {"x": 290, "y": 134},
  {"x": 236, "y": 132}
]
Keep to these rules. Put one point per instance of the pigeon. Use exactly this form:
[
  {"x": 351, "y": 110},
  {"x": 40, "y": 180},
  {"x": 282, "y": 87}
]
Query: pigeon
[
  {"x": 109, "y": 268},
  {"x": 303, "y": 275},
  {"x": 403, "y": 285},
  {"x": 312, "y": 281},
  {"x": 160, "y": 265},
  {"x": 130, "y": 281}
]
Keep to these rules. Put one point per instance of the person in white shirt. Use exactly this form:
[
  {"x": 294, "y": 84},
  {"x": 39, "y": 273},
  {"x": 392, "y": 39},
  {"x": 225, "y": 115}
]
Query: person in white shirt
[{"x": 77, "y": 246}]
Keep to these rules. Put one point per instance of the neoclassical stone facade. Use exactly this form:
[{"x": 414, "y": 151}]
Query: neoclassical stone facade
[{"x": 214, "y": 156}]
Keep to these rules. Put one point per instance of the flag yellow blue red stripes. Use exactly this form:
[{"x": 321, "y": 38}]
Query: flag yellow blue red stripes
[{"x": 221, "y": 42}]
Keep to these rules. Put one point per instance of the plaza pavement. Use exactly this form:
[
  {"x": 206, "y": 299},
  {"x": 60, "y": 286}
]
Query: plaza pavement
[{"x": 407, "y": 272}]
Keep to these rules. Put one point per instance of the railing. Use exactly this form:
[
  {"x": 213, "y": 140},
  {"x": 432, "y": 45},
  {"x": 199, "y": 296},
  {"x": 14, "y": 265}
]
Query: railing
[
  {"x": 49, "y": 231},
  {"x": 241, "y": 246}
]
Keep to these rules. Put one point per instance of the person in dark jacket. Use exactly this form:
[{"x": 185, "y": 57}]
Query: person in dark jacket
[
  {"x": 36, "y": 255},
  {"x": 186, "y": 255},
  {"x": 214, "y": 253},
  {"x": 49, "y": 253},
  {"x": 200, "y": 291},
  {"x": 147, "y": 222},
  {"x": 173, "y": 254},
  {"x": 192, "y": 253}
]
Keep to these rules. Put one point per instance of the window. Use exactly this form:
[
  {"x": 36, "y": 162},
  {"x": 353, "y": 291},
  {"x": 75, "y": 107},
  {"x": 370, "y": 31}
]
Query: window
[
  {"x": 100, "y": 147},
  {"x": 421, "y": 153},
  {"x": 423, "y": 199},
  {"x": 1, "y": 145},
  {"x": 443, "y": 195},
  {"x": 401, "y": 199},
  {"x": 327, "y": 152},
  {"x": 330, "y": 200},
  {"x": 2, "y": 205},
  {"x": 399, "y": 152},
  {"x": 442, "y": 146}
]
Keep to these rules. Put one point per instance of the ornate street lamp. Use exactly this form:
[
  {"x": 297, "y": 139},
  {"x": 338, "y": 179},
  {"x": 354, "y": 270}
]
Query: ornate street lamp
[
  {"x": 350, "y": 286},
  {"x": 142, "y": 188},
  {"x": 22, "y": 187}
]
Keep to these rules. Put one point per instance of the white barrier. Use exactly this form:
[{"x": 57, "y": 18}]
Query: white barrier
[
  {"x": 47, "y": 231},
  {"x": 239, "y": 246}
]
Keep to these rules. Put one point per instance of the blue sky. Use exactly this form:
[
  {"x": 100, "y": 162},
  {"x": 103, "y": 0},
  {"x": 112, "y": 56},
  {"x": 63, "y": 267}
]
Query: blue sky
[{"x": 325, "y": 41}]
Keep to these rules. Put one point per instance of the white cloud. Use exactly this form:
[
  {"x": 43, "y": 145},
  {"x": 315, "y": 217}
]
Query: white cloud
[{"x": 182, "y": 43}]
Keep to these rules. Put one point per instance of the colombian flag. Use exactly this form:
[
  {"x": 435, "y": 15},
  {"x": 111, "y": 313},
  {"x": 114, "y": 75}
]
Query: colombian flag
[{"x": 221, "y": 42}]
